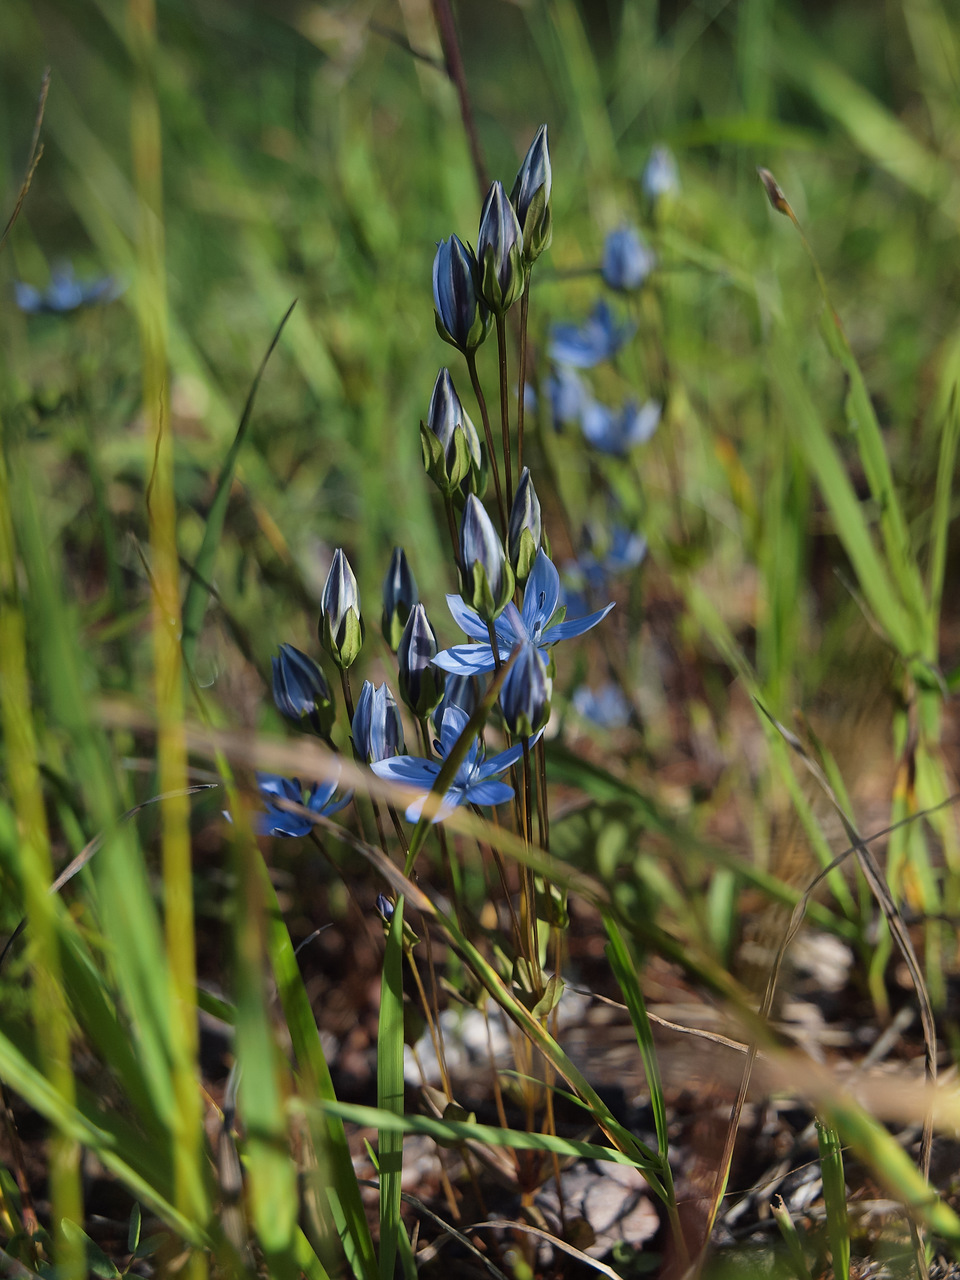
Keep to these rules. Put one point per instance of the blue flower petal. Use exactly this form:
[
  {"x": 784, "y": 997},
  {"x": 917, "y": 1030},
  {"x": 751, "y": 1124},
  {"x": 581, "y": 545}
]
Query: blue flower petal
[
  {"x": 544, "y": 581},
  {"x": 575, "y": 626},
  {"x": 412, "y": 771},
  {"x": 466, "y": 659},
  {"x": 490, "y": 793},
  {"x": 467, "y": 619}
]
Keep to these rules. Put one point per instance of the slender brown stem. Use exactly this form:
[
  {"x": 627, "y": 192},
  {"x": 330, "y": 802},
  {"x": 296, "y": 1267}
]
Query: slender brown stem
[
  {"x": 543, "y": 814},
  {"x": 452, "y": 526},
  {"x": 471, "y": 360},
  {"x": 522, "y": 375},
  {"x": 504, "y": 409},
  {"x": 347, "y": 695},
  {"x": 443, "y": 16},
  {"x": 494, "y": 645}
]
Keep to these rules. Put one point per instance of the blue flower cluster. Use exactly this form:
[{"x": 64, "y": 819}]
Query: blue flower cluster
[{"x": 509, "y": 605}]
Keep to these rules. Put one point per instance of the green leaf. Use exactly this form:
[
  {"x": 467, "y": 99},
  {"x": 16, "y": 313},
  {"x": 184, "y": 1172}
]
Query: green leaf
[{"x": 390, "y": 1091}]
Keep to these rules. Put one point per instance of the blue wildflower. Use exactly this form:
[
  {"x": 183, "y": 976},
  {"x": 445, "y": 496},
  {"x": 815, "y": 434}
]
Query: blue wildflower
[
  {"x": 399, "y": 597},
  {"x": 606, "y": 706},
  {"x": 660, "y": 177},
  {"x": 616, "y": 432},
  {"x": 474, "y": 781},
  {"x": 627, "y": 549},
  {"x": 65, "y": 292},
  {"x": 627, "y": 259},
  {"x": 319, "y": 799},
  {"x": 568, "y": 395},
  {"x": 599, "y": 338},
  {"x": 531, "y": 624}
]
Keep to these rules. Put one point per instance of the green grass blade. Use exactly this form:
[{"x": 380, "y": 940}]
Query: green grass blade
[
  {"x": 390, "y": 1091},
  {"x": 624, "y": 972},
  {"x": 273, "y": 1191},
  {"x": 195, "y": 601},
  {"x": 457, "y": 1131},
  {"x": 949, "y": 438},
  {"x": 341, "y": 1189},
  {"x": 898, "y": 618},
  {"x": 835, "y": 1198}
]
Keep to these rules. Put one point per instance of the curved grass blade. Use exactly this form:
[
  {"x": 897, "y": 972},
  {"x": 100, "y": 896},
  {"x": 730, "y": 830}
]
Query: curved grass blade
[{"x": 195, "y": 603}]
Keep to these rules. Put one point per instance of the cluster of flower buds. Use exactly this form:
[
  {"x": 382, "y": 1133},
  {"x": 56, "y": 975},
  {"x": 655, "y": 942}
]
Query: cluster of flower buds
[{"x": 514, "y": 231}]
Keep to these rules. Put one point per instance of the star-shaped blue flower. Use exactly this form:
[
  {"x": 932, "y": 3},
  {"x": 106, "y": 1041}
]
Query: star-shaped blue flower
[
  {"x": 318, "y": 799},
  {"x": 599, "y": 338},
  {"x": 529, "y": 625},
  {"x": 616, "y": 432},
  {"x": 475, "y": 781}
]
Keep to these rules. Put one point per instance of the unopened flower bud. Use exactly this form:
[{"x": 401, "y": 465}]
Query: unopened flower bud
[
  {"x": 377, "y": 727},
  {"x": 486, "y": 578},
  {"x": 399, "y": 597},
  {"x": 448, "y": 439},
  {"x": 301, "y": 692},
  {"x": 524, "y": 531},
  {"x": 499, "y": 252},
  {"x": 458, "y": 691},
  {"x": 460, "y": 315},
  {"x": 421, "y": 683},
  {"x": 530, "y": 198},
  {"x": 341, "y": 631},
  {"x": 525, "y": 696}
]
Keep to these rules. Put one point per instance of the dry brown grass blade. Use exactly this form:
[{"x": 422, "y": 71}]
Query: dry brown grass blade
[{"x": 36, "y": 151}]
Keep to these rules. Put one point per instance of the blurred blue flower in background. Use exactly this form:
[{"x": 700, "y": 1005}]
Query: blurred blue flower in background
[
  {"x": 474, "y": 780},
  {"x": 599, "y": 338},
  {"x": 606, "y": 706},
  {"x": 660, "y": 176},
  {"x": 617, "y": 431},
  {"x": 318, "y": 799},
  {"x": 568, "y": 394},
  {"x": 65, "y": 293},
  {"x": 627, "y": 259}
]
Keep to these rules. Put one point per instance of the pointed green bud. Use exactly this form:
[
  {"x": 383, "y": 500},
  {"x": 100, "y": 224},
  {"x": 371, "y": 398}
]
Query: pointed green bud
[
  {"x": 530, "y": 198},
  {"x": 399, "y": 596},
  {"x": 486, "y": 578},
  {"x": 341, "y": 631},
  {"x": 499, "y": 252},
  {"x": 421, "y": 683},
  {"x": 524, "y": 532}
]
